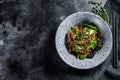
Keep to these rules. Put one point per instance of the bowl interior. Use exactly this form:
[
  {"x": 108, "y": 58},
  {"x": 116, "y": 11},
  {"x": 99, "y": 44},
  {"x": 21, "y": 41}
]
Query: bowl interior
[{"x": 81, "y": 18}]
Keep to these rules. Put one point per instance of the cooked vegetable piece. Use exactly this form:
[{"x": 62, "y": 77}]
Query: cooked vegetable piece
[
  {"x": 77, "y": 48},
  {"x": 83, "y": 56},
  {"x": 93, "y": 43},
  {"x": 90, "y": 26}
]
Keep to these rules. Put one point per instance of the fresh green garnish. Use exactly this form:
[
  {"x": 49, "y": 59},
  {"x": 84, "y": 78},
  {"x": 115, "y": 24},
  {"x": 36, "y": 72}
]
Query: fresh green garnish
[
  {"x": 77, "y": 48},
  {"x": 83, "y": 56},
  {"x": 99, "y": 10},
  {"x": 77, "y": 33},
  {"x": 93, "y": 43},
  {"x": 90, "y": 26}
]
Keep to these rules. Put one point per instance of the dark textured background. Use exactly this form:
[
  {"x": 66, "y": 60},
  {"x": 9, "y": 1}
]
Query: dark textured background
[{"x": 27, "y": 46}]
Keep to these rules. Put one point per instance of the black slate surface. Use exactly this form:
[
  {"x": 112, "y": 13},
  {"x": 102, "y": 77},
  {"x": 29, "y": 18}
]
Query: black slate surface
[{"x": 27, "y": 46}]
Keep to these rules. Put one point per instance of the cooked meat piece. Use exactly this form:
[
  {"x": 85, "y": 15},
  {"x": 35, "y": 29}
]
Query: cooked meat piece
[
  {"x": 81, "y": 42},
  {"x": 84, "y": 51},
  {"x": 68, "y": 38},
  {"x": 69, "y": 50},
  {"x": 73, "y": 36}
]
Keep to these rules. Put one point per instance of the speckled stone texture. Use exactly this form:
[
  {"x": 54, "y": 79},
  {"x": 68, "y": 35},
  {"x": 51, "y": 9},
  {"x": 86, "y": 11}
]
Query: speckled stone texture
[{"x": 27, "y": 41}]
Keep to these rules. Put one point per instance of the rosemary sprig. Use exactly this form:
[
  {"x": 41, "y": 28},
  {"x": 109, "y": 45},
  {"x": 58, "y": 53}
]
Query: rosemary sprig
[{"x": 99, "y": 10}]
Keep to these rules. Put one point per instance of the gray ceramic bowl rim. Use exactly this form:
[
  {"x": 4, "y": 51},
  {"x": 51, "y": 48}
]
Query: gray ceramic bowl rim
[{"x": 70, "y": 59}]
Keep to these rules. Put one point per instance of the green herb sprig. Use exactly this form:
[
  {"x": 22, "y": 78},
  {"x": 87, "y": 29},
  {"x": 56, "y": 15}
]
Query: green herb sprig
[{"x": 99, "y": 10}]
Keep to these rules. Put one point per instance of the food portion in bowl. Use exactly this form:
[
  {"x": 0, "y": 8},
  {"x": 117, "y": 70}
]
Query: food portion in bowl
[{"x": 83, "y": 40}]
